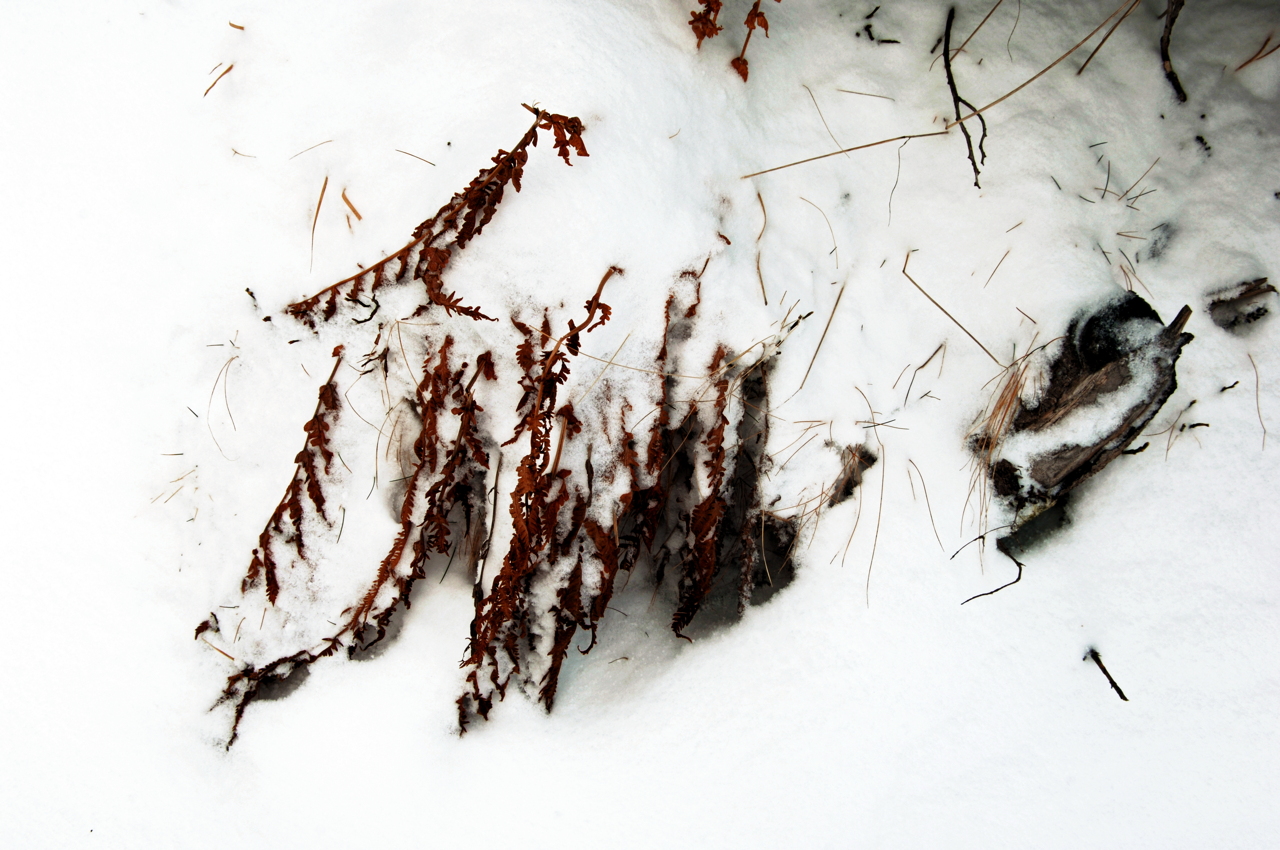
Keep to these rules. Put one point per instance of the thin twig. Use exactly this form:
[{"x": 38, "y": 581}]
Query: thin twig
[
  {"x": 956, "y": 100},
  {"x": 1001, "y": 587},
  {"x": 1171, "y": 16},
  {"x": 1097, "y": 659}
]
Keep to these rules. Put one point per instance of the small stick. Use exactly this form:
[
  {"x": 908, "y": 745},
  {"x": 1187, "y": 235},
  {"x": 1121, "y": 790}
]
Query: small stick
[
  {"x": 1171, "y": 15},
  {"x": 822, "y": 338},
  {"x": 956, "y": 100},
  {"x": 415, "y": 156},
  {"x": 1047, "y": 68},
  {"x": 1257, "y": 398},
  {"x": 1033, "y": 321},
  {"x": 1097, "y": 659},
  {"x": 764, "y": 223},
  {"x": 846, "y": 150},
  {"x": 945, "y": 313},
  {"x": 235, "y": 26},
  {"x": 1001, "y": 587},
  {"x": 206, "y": 93}
]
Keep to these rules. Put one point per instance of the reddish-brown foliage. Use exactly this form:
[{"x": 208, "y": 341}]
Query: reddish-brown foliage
[
  {"x": 703, "y": 23},
  {"x": 755, "y": 18},
  {"x": 450, "y": 229}
]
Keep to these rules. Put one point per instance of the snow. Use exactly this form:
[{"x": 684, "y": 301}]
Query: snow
[{"x": 861, "y": 704}]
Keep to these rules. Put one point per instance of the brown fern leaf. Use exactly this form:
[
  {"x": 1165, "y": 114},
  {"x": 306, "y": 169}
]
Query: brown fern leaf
[
  {"x": 502, "y": 623},
  {"x": 442, "y": 480},
  {"x": 436, "y": 240},
  {"x": 704, "y": 520},
  {"x": 307, "y": 480}
]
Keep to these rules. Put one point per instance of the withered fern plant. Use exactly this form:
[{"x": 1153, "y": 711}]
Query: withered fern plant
[{"x": 591, "y": 499}]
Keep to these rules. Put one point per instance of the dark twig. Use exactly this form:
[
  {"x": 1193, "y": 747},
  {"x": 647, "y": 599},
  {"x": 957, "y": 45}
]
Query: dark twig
[
  {"x": 957, "y": 100},
  {"x": 1097, "y": 659},
  {"x": 1171, "y": 15},
  {"x": 1001, "y": 587}
]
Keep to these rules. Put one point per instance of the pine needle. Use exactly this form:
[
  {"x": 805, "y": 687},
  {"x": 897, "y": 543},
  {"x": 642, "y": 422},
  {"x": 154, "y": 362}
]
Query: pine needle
[
  {"x": 1045, "y": 70},
  {"x": 865, "y": 94},
  {"x": 206, "y": 93},
  {"x": 1139, "y": 180},
  {"x": 834, "y": 248},
  {"x": 822, "y": 117},
  {"x": 928, "y": 506},
  {"x": 846, "y": 150},
  {"x": 313, "y": 147},
  {"x": 351, "y": 206},
  {"x": 823, "y": 337},
  {"x": 1259, "y": 55},
  {"x": 323, "y": 186},
  {"x": 997, "y": 268},
  {"x": 945, "y": 313},
  {"x": 415, "y": 156},
  {"x": 1257, "y": 398},
  {"x": 1114, "y": 27}
]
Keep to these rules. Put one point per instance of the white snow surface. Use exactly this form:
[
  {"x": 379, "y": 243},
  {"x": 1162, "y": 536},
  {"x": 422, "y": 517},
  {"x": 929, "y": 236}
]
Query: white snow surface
[{"x": 153, "y": 418}]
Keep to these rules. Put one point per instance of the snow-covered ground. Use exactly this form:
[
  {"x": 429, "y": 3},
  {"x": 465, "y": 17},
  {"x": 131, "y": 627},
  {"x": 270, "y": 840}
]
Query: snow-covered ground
[{"x": 154, "y": 417}]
